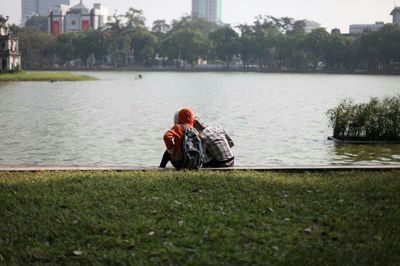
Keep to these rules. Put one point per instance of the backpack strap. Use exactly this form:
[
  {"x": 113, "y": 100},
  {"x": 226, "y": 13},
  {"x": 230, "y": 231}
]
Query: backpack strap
[
  {"x": 183, "y": 145},
  {"x": 184, "y": 127}
]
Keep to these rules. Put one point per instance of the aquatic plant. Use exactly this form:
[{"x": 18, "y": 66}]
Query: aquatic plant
[{"x": 377, "y": 120}]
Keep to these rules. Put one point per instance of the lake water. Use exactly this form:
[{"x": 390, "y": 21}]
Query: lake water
[{"x": 274, "y": 119}]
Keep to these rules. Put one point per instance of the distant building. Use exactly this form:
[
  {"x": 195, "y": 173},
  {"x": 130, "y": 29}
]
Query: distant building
[
  {"x": 32, "y": 8},
  {"x": 396, "y": 15},
  {"x": 358, "y": 29},
  {"x": 309, "y": 25},
  {"x": 209, "y": 10},
  {"x": 10, "y": 56},
  {"x": 335, "y": 31},
  {"x": 77, "y": 18}
]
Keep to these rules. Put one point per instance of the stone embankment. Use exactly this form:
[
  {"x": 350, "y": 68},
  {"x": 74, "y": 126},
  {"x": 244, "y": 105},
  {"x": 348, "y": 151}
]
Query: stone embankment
[{"x": 317, "y": 168}]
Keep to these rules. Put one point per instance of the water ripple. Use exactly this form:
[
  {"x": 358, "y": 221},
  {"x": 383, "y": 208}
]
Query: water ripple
[{"x": 274, "y": 119}]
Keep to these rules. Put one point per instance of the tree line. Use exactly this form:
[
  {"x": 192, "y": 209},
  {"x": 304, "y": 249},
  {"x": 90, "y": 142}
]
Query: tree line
[{"x": 268, "y": 43}]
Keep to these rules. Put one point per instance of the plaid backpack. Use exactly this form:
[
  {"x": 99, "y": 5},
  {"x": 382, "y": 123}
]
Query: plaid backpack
[{"x": 192, "y": 149}]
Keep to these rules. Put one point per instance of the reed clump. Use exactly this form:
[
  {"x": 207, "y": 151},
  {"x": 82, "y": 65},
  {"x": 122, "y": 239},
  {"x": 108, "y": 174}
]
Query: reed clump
[{"x": 377, "y": 120}]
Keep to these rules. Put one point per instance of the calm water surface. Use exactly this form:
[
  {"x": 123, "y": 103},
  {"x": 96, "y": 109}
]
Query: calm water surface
[{"x": 274, "y": 119}]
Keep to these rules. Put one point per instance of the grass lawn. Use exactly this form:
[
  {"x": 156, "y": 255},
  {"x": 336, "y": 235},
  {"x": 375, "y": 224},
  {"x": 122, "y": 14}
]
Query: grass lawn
[
  {"x": 200, "y": 218},
  {"x": 43, "y": 76}
]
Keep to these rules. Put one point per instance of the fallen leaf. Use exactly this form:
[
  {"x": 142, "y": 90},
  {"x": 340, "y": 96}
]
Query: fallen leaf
[
  {"x": 78, "y": 252},
  {"x": 275, "y": 248},
  {"x": 151, "y": 233},
  {"x": 308, "y": 230}
]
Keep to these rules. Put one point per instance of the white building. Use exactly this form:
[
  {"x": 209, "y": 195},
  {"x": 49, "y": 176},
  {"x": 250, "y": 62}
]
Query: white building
[
  {"x": 10, "y": 57},
  {"x": 77, "y": 18},
  {"x": 358, "y": 29},
  {"x": 31, "y": 8},
  {"x": 309, "y": 25}
]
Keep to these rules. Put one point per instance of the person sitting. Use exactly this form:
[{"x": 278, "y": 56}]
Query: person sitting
[
  {"x": 173, "y": 138},
  {"x": 217, "y": 145}
]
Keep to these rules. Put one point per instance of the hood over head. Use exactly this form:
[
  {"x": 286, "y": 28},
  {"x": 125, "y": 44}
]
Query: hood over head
[
  {"x": 176, "y": 117},
  {"x": 186, "y": 116}
]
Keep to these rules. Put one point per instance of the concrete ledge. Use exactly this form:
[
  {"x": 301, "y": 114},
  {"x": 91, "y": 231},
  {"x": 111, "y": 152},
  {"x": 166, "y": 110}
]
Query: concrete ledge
[
  {"x": 366, "y": 142},
  {"x": 317, "y": 168}
]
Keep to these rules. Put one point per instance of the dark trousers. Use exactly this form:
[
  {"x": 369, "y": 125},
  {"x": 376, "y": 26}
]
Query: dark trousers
[{"x": 167, "y": 158}]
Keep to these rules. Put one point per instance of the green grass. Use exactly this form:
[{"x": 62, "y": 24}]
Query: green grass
[
  {"x": 199, "y": 218},
  {"x": 43, "y": 76}
]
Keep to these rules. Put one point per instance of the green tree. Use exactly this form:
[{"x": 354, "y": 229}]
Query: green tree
[
  {"x": 266, "y": 35},
  {"x": 225, "y": 41},
  {"x": 193, "y": 23},
  {"x": 91, "y": 44},
  {"x": 315, "y": 44},
  {"x": 283, "y": 24},
  {"x": 352, "y": 57},
  {"x": 247, "y": 45},
  {"x": 369, "y": 51},
  {"x": 144, "y": 45},
  {"x": 297, "y": 28},
  {"x": 160, "y": 28},
  {"x": 293, "y": 51},
  {"x": 37, "y": 48},
  {"x": 335, "y": 52},
  {"x": 65, "y": 47},
  {"x": 135, "y": 19},
  {"x": 187, "y": 45},
  {"x": 14, "y": 28},
  {"x": 118, "y": 39},
  {"x": 389, "y": 45},
  {"x": 38, "y": 22}
]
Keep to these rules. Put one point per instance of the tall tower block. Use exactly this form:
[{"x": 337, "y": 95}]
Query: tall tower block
[
  {"x": 209, "y": 10},
  {"x": 31, "y": 8}
]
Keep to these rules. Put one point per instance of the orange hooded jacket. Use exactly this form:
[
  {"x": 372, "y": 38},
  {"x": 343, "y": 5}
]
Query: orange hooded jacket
[{"x": 173, "y": 137}]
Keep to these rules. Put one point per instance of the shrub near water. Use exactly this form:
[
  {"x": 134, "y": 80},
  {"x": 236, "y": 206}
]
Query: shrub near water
[{"x": 376, "y": 120}]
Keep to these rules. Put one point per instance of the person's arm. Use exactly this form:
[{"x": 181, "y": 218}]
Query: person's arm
[{"x": 169, "y": 141}]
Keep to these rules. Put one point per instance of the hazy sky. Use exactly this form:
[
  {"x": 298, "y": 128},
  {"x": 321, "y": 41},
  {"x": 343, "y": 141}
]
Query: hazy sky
[{"x": 330, "y": 13}]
